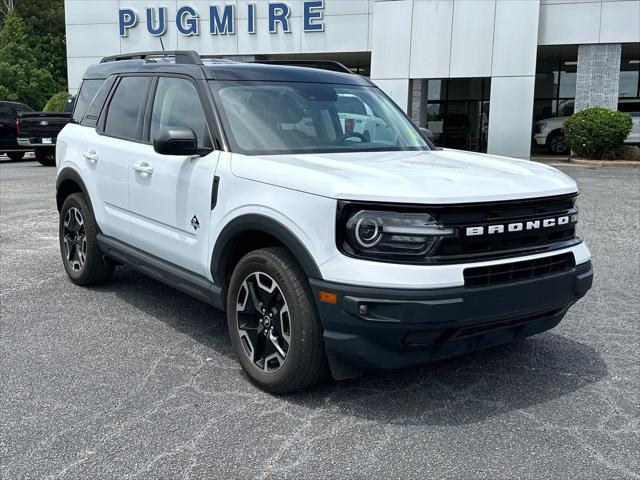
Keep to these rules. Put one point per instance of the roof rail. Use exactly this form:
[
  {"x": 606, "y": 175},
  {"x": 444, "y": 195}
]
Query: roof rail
[
  {"x": 330, "y": 65},
  {"x": 188, "y": 57}
]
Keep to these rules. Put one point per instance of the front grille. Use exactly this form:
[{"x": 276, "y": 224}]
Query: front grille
[
  {"x": 464, "y": 248},
  {"x": 509, "y": 272}
]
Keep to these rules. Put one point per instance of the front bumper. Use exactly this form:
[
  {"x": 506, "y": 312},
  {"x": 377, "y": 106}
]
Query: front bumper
[
  {"x": 390, "y": 328},
  {"x": 540, "y": 139}
]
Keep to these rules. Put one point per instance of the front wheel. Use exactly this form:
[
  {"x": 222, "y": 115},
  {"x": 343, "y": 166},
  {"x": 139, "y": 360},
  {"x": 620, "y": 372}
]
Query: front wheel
[
  {"x": 557, "y": 144},
  {"x": 46, "y": 156},
  {"x": 81, "y": 255},
  {"x": 273, "y": 322}
]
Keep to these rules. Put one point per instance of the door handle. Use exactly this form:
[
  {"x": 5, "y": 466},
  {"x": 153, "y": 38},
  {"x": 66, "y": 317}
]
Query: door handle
[
  {"x": 92, "y": 156},
  {"x": 143, "y": 168}
]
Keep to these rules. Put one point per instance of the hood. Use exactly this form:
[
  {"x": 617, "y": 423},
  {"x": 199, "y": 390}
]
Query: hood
[{"x": 427, "y": 177}]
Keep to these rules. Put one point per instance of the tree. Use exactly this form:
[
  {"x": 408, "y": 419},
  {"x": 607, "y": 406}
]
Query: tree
[
  {"x": 21, "y": 79},
  {"x": 6, "y": 6},
  {"x": 44, "y": 26}
]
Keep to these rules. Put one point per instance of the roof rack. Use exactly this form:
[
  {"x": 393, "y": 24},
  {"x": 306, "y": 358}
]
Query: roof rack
[
  {"x": 330, "y": 65},
  {"x": 188, "y": 57}
]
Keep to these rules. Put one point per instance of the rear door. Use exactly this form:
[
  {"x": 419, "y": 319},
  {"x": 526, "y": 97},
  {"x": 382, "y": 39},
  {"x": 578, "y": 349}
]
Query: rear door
[
  {"x": 109, "y": 151},
  {"x": 170, "y": 195}
]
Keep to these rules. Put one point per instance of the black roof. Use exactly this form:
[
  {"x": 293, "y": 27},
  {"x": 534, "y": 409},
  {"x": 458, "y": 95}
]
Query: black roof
[
  {"x": 215, "y": 69},
  {"x": 282, "y": 73},
  {"x": 8, "y": 102}
]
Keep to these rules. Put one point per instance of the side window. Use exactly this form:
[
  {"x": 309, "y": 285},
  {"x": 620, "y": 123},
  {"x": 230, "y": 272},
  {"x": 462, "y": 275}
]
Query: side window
[
  {"x": 23, "y": 109},
  {"x": 126, "y": 107},
  {"x": 93, "y": 112},
  {"x": 88, "y": 90},
  {"x": 6, "y": 111},
  {"x": 177, "y": 104}
]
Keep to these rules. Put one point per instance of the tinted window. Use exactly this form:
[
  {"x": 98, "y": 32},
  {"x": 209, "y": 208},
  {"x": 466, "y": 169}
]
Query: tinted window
[
  {"x": 177, "y": 104},
  {"x": 93, "y": 112},
  {"x": 23, "y": 109},
  {"x": 126, "y": 107},
  {"x": 6, "y": 111},
  {"x": 88, "y": 90}
]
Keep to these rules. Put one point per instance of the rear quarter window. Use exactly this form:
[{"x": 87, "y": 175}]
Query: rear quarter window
[
  {"x": 95, "y": 108},
  {"x": 88, "y": 91}
]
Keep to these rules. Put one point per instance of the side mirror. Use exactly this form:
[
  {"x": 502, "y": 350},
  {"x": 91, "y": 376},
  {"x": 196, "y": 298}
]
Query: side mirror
[
  {"x": 427, "y": 133},
  {"x": 178, "y": 141}
]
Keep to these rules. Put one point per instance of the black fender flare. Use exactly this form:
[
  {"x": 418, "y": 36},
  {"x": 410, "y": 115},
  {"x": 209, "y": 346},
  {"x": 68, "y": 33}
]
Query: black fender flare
[
  {"x": 267, "y": 225},
  {"x": 67, "y": 174}
]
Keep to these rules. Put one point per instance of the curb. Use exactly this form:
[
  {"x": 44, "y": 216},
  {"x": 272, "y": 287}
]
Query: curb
[{"x": 604, "y": 163}]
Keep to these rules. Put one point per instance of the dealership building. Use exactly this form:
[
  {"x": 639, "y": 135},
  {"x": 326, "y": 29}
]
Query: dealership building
[{"x": 478, "y": 73}]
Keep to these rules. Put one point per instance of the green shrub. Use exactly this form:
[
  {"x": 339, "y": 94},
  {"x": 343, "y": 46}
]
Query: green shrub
[
  {"x": 597, "y": 133},
  {"x": 56, "y": 103}
]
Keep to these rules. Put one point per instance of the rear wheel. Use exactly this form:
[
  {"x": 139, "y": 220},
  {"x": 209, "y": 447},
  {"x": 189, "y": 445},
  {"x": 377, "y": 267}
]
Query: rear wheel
[
  {"x": 46, "y": 156},
  {"x": 81, "y": 255},
  {"x": 557, "y": 144},
  {"x": 15, "y": 156},
  {"x": 273, "y": 322}
]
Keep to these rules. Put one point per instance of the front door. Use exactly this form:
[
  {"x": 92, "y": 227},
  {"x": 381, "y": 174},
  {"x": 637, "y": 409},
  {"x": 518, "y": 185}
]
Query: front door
[{"x": 170, "y": 195}]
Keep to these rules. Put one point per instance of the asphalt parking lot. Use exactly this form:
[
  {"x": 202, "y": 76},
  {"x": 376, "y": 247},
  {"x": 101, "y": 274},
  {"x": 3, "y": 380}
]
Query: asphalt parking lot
[{"x": 136, "y": 380}]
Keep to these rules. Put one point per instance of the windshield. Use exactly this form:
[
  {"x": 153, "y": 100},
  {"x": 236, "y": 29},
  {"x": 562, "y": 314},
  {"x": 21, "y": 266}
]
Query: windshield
[{"x": 281, "y": 117}]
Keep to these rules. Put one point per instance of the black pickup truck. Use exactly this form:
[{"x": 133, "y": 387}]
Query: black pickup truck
[
  {"x": 38, "y": 131},
  {"x": 9, "y": 112}
]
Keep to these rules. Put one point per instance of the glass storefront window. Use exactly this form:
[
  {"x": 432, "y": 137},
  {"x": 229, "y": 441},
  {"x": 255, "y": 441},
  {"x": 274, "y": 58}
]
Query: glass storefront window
[
  {"x": 547, "y": 80},
  {"x": 629, "y": 86},
  {"x": 555, "y": 88},
  {"x": 456, "y": 111},
  {"x": 544, "y": 109},
  {"x": 568, "y": 79},
  {"x": 436, "y": 89}
]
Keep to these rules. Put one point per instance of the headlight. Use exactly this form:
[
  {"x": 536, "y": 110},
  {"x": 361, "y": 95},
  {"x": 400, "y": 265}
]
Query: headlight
[{"x": 393, "y": 235}]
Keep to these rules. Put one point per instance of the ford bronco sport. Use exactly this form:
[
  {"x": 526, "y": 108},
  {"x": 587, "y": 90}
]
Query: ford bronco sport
[{"x": 330, "y": 250}]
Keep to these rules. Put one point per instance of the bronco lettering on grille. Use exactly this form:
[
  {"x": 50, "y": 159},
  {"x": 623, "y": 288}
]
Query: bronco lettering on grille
[{"x": 521, "y": 226}]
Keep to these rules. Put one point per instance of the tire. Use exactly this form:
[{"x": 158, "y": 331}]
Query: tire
[
  {"x": 15, "y": 156},
  {"x": 294, "y": 315},
  {"x": 556, "y": 143},
  {"x": 46, "y": 156},
  {"x": 81, "y": 256}
]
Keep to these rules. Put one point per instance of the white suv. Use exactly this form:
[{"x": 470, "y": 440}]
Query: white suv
[{"x": 330, "y": 251}]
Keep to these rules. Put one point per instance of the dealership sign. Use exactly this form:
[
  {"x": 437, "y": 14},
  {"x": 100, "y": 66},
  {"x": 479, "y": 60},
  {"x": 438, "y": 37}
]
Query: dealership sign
[{"x": 222, "y": 19}]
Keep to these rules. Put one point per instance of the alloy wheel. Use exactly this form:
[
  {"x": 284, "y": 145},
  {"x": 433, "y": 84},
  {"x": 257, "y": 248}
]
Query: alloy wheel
[
  {"x": 263, "y": 322},
  {"x": 75, "y": 239}
]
